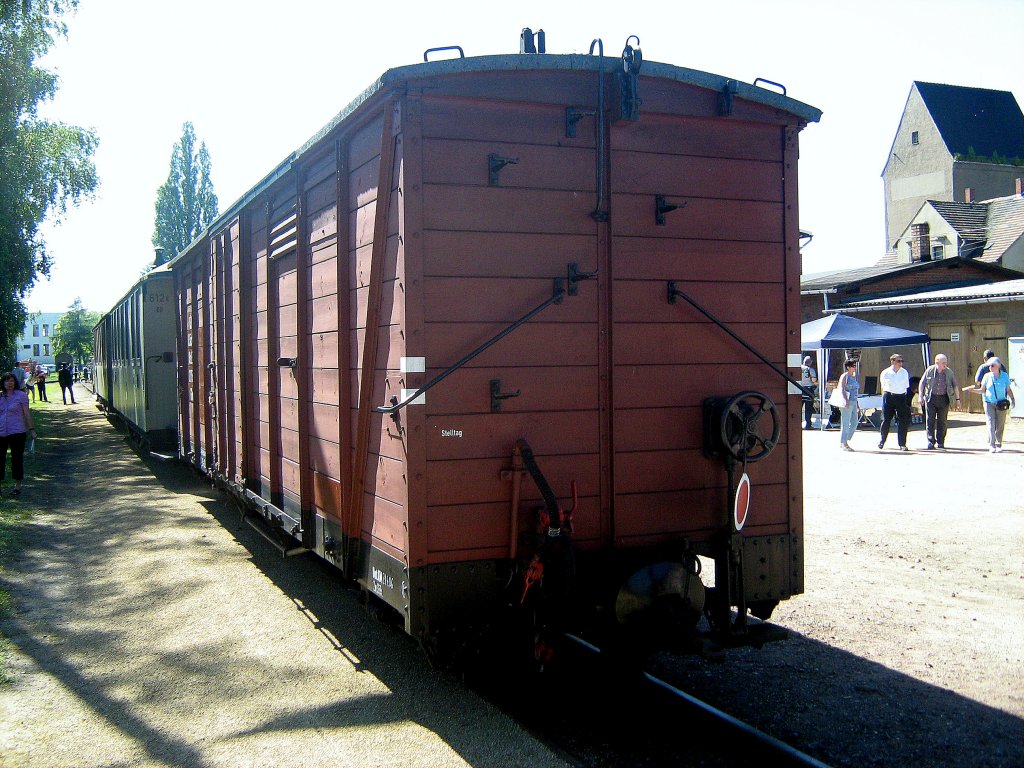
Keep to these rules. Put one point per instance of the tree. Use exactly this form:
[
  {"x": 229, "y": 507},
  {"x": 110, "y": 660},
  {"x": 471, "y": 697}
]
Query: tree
[
  {"x": 185, "y": 203},
  {"x": 44, "y": 165},
  {"x": 73, "y": 333}
]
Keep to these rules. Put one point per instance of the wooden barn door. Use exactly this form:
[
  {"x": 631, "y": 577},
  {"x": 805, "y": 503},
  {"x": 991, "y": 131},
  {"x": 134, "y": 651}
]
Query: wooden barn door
[
  {"x": 953, "y": 341},
  {"x": 984, "y": 335}
]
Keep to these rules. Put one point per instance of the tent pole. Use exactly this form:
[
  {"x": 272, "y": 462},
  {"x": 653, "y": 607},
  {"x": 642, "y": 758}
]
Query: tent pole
[{"x": 821, "y": 388}]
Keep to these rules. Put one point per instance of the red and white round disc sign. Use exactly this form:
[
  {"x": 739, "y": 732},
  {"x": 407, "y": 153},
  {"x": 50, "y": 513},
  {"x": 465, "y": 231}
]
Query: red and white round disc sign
[{"x": 742, "y": 503}]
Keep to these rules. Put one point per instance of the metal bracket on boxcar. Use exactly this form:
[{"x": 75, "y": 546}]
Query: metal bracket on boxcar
[
  {"x": 497, "y": 395},
  {"x": 576, "y": 276},
  {"x": 494, "y": 165},
  {"x": 572, "y": 116},
  {"x": 559, "y": 292},
  {"x": 426, "y": 53},
  {"x": 674, "y": 293},
  {"x": 661, "y": 207}
]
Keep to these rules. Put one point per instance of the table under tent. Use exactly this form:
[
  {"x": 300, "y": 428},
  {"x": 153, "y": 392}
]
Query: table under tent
[{"x": 843, "y": 332}]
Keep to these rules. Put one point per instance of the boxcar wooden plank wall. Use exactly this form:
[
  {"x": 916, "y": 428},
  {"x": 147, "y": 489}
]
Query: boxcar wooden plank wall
[
  {"x": 260, "y": 472},
  {"x": 320, "y": 229},
  {"x": 794, "y": 421},
  {"x": 491, "y": 252},
  {"x": 724, "y": 247},
  {"x": 236, "y": 355},
  {"x": 215, "y": 366},
  {"x": 378, "y": 493}
]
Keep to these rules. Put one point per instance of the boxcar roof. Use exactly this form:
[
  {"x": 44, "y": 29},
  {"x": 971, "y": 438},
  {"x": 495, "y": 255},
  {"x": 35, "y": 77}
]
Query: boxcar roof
[{"x": 517, "y": 62}]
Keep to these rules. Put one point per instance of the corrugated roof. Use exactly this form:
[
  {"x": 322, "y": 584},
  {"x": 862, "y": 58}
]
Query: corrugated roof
[
  {"x": 975, "y": 120},
  {"x": 852, "y": 278},
  {"x": 1008, "y": 290},
  {"x": 829, "y": 280},
  {"x": 849, "y": 277}
]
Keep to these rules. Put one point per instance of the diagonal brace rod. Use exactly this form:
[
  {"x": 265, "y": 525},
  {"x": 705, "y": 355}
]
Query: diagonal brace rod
[{"x": 674, "y": 293}]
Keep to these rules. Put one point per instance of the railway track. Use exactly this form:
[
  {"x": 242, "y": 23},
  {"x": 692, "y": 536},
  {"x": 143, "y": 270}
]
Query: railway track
[
  {"x": 597, "y": 711},
  {"x": 746, "y": 738}
]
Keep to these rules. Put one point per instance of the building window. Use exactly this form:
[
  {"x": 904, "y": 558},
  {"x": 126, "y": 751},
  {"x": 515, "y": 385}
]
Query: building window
[
  {"x": 915, "y": 138},
  {"x": 35, "y": 350},
  {"x": 46, "y": 330},
  {"x": 936, "y": 252},
  {"x": 46, "y": 350},
  {"x": 35, "y": 331}
]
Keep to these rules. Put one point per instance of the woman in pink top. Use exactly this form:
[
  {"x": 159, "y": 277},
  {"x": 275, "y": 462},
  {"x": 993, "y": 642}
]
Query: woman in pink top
[{"x": 15, "y": 424}]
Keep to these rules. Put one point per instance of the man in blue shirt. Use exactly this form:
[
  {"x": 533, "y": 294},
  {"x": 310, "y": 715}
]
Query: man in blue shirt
[{"x": 983, "y": 368}]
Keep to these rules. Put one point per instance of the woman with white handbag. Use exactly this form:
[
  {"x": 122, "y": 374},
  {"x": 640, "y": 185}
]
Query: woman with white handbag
[{"x": 844, "y": 397}]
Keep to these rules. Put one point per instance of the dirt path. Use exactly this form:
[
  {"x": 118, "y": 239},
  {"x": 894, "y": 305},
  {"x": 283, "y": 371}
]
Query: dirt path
[{"x": 150, "y": 628}]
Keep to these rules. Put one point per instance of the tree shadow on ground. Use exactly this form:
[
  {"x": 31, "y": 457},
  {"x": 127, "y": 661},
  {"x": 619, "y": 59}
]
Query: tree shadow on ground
[{"x": 102, "y": 510}]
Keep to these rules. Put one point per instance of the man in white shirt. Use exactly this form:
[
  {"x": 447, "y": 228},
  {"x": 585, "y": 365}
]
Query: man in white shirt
[{"x": 895, "y": 384}]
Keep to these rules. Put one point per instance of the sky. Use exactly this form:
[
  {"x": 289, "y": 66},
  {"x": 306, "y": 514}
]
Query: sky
[{"x": 258, "y": 79}]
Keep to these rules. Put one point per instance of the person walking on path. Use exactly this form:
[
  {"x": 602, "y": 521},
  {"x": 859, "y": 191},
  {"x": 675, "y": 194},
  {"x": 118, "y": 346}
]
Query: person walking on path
[
  {"x": 20, "y": 376},
  {"x": 848, "y": 388},
  {"x": 998, "y": 398},
  {"x": 66, "y": 387},
  {"x": 15, "y": 425},
  {"x": 26, "y": 380},
  {"x": 895, "y": 384},
  {"x": 41, "y": 383},
  {"x": 808, "y": 380},
  {"x": 937, "y": 391}
]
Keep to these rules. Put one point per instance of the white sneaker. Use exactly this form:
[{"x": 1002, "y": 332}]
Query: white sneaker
[
  {"x": 999, "y": 449},
  {"x": 992, "y": 450}
]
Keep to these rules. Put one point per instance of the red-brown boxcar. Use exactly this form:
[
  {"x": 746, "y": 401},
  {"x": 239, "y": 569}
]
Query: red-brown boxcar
[{"x": 515, "y": 232}]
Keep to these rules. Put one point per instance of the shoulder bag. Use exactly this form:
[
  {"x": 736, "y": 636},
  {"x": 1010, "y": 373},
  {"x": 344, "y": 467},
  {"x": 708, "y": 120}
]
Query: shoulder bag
[{"x": 836, "y": 399}]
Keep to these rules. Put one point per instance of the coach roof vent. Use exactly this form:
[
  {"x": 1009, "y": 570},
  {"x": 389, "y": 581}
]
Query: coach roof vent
[{"x": 530, "y": 42}]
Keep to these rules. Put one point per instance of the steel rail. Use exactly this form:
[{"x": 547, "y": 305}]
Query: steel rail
[{"x": 790, "y": 754}]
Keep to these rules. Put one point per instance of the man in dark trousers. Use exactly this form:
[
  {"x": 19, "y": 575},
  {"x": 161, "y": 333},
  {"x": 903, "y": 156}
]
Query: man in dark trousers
[
  {"x": 64, "y": 379},
  {"x": 895, "y": 384}
]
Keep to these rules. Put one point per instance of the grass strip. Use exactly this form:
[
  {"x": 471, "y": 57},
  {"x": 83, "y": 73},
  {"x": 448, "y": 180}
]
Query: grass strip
[{"x": 15, "y": 516}]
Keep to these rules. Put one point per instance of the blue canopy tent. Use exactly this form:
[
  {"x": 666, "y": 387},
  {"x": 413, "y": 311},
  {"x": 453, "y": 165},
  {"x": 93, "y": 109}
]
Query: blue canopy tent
[{"x": 841, "y": 331}]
